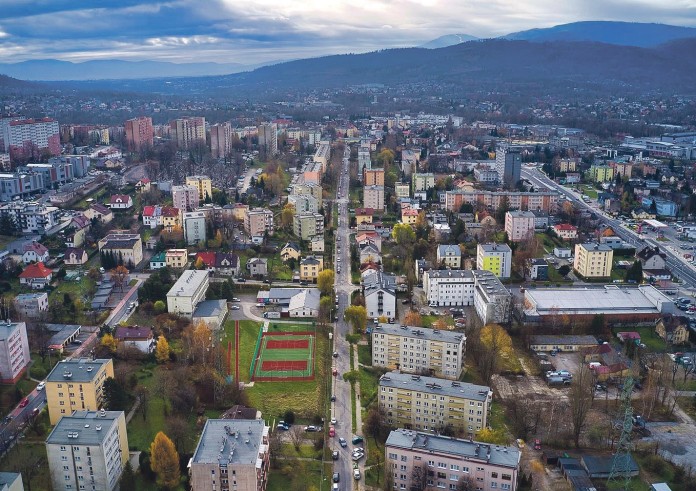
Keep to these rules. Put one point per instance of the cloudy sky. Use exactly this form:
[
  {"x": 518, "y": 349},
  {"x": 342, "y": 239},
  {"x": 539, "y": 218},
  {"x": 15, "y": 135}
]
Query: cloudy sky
[{"x": 255, "y": 31}]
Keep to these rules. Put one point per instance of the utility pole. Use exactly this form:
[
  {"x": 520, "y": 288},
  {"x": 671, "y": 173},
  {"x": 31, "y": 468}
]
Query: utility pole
[{"x": 620, "y": 466}]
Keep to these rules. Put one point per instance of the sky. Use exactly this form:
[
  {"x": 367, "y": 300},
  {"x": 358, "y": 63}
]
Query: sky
[{"x": 259, "y": 31}]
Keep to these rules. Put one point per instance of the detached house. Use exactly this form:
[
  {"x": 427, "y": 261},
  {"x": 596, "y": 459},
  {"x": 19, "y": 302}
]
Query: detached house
[
  {"x": 120, "y": 202},
  {"x": 36, "y": 276},
  {"x": 673, "y": 329},
  {"x": 450, "y": 256},
  {"x": 226, "y": 264},
  {"x": 257, "y": 266},
  {"x": 379, "y": 290},
  {"x": 310, "y": 267},
  {"x": 654, "y": 263},
  {"x": 290, "y": 251},
  {"x": 138, "y": 337},
  {"x": 34, "y": 252},
  {"x": 75, "y": 256},
  {"x": 566, "y": 231},
  {"x": 99, "y": 212},
  {"x": 80, "y": 226}
]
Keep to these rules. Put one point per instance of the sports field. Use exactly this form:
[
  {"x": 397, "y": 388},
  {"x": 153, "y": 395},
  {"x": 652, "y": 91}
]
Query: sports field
[{"x": 284, "y": 356}]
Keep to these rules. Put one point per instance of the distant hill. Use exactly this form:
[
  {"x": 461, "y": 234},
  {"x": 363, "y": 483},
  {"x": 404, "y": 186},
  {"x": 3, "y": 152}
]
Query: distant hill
[
  {"x": 621, "y": 33},
  {"x": 12, "y": 83},
  {"x": 448, "y": 40},
  {"x": 114, "y": 69}
]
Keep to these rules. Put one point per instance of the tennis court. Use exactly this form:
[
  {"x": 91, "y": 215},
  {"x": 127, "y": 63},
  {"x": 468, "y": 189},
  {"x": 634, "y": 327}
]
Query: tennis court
[{"x": 284, "y": 356}]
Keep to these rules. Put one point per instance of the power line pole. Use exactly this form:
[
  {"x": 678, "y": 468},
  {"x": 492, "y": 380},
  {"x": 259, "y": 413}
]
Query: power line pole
[{"x": 621, "y": 460}]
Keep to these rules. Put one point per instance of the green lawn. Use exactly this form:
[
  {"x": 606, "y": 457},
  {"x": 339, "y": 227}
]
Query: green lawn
[
  {"x": 364, "y": 355},
  {"x": 23, "y": 457},
  {"x": 429, "y": 320},
  {"x": 369, "y": 381},
  {"x": 647, "y": 336},
  {"x": 81, "y": 289},
  {"x": 297, "y": 475}
]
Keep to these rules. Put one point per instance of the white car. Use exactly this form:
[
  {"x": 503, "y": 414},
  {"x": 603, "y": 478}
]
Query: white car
[{"x": 41, "y": 386}]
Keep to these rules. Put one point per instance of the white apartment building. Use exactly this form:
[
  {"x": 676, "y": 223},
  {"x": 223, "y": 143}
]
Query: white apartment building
[
  {"x": 43, "y": 134},
  {"x": 379, "y": 291},
  {"x": 419, "y": 350},
  {"x": 31, "y": 305},
  {"x": 323, "y": 154},
  {"x": 88, "y": 450},
  {"x": 14, "y": 351},
  {"x": 449, "y": 463},
  {"x": 423, "y": 182},
  {"x": 307, "y": 188},
  {"x": 31, "y": 216},
  {"x": 188, "y": 131},
  {"x": 402, "y": 190},
  {"x": 373, "y": 197},
  {"x": 519, "y": 225},
  {"x": 188, "y": 291},
  {"x": 185, "y": 198},
  {"x": 194, "y": 227},
  {"x": 20, "y": 184}
]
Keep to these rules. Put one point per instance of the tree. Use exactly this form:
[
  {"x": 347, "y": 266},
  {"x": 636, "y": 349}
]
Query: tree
[
  {"x": 495, "y": 345},
  {"x": 198, "y": 340},
  {"x": 164, "y": 460},
  {"x": 580, "y": 399},
  {"x": 325, "y": 281},
  {"x": 287, "y": 216},
  {"x": 635, "y": 272},
  {"x": 413, "y": 318},
  {"x": 115, "y": 395},
  {"x": 118, "y": 276},
  {"x": 357, "y": 316},
  {"x": 162, "y": 351},
  {"x": 403, "y": 234},
  {"x": 325, "y": 306},
  {"x": 160, "y": 307},
  {"x": 128, "y": 477},
  {"x": 109, "y": 342}
]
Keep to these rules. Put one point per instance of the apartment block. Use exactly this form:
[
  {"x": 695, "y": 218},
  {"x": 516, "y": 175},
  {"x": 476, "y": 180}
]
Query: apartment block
[
  {"x": 14, "y": 351},
  {"x": 307, "y": 225},
  {"x": 124, "y": 246},
  {"x": 310, "y": 267},
  {"x": 31, "y": 305},
  {"x": 26, "y": 137},
  {"x": 323, "y": 154},
  {"x": 188, "y": 131},
  {"x": 517, "y": 200},
  {"x": 423, "y": 182},
  {"x": 258, "y": 222},
  {"x": 88, "y": 450},
  {"x": 519, "y": 225},
  {"x": 373, "y": 177},
  {"x": 496, "y": 258},
  {"x": 601, "y": 173},
  {"x": 417, "y": 402},
  {"x": 373, "y": 197},
  {"x": 304, "y": 203},
  {"x": 419, "y": 350},
  {"x": 139, "y": 133},
  {"x": 440, "y": 462},
  {"x": 307, "y": 188},
  {"x": 203, "y": 184},
  {"x": 188, "y": 291},
  {"x": 508, "y": 164},
  {"x": 186, "y": 198},
  {"x": 593, "y": 260},
  {"x": 232, "y": 454},
  {"x": 268, "y": 138},
  {"x": 220, "y": 140},
  {"x": 195, "y": 231},
  {"x": 31, "y": 216},
  {"x": 402, "y": 190},
  {"x": 76, "y": 385}
]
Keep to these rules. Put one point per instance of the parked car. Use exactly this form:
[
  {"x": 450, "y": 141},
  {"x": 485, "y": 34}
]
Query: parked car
[
  {"x": 310, "y": 428},
  {"x": 357, "y": 439},
  {"x": 334, "y": 455},
  {"x": 336, "y": 477},
  {"x": 356, "y": 474},
  {"x": 342, "y": 442},
  {"x": 332, "y": 431},
  {"x": 24, "y": 402},
  {"x": 537, "y": 444},
  {"x": 235, "y": 307},
  {"x": 41, "y": 386},
  {"x": 235, "y": 299}
]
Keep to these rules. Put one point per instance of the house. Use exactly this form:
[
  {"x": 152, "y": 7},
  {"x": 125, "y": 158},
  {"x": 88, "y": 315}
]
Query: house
[
  {"x": 99, "y": 212},
  {"x": 226, "y": 264},
  {"x": 208, "y": 260},
  {"x": 409, "y": 216},
  {"x": 370, "y": 254},
  {"x": 367, "y": 236},
  {"x": 538, "y": 269},
  {"x": 31, "y": 305},
  {"x": 317, "y": 244},
  {"x": 450, "y": 256},
  {"x": 654, "y": 263},
  {"x": 290, "y": 251},
  {"x": 364, "y": 215},
  {"x": 566, "y": 231},
  {"x": 75, "y": 256},
  {"x": 257, "y": 266},
  {"x": 176, "y": 258},
  {"x": 34, "y": 252},
  {"x": 628, "y": 336},
  {"x": 310, "y": 267},
  {"x": 305, "y": 303},
  {"x": 120, "y": 202},
  {"x": 138, "y": 337},
  {"x": 36, "y": 276},
  {"x": 562, "y": 252},
  {"x": 77, "y": 231},
  {"x": 379, "y": 291},
  {"x": 143, "y": 185},
  {"x": 124, "y": 246},
  {"x": 158, "y": 261},
  {"x": 673, "y": 329}
]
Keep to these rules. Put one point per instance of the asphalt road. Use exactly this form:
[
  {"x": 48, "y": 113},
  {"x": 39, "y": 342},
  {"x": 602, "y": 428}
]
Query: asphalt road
[{"x": 11, "y": 431}]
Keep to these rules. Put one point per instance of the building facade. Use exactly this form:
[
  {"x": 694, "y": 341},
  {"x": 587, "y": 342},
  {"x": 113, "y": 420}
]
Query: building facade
[
  {"x": 203, "y": 184},
  {"x": 519, "y": 225},
  {"x": 379, "y": 291},
  {"x": 508, "y": 164},
  {"x": 188, "y": 291},
  {"x": 220, "y": 140},
  {"x": 258, "y": 222},
  {"x": 373, "y": 197},
  {"x": 14, "y": 351},
  {"x": 307, "y": 225},
  {"x": 139, "y": 133},
  {"x": 268, "y": 138},
  {"x": 28, "y": 138},
  {"x": 593, "y": 260},
  {"x": 188, "y": 131},
  {"x": 449, "y": 256},
  {"x": 194, "y": 227},
  {"x": 496, "y": 258},
  {"x": 185, "y": 198},
  {"x": 492, "y": 200}
]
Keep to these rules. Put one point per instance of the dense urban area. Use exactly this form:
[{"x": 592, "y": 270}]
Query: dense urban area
[{"x": 364, "y": 288}]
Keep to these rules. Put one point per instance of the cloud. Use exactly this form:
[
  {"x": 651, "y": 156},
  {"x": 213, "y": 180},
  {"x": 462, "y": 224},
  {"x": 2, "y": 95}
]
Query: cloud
[{"x": 261, "y": 30}]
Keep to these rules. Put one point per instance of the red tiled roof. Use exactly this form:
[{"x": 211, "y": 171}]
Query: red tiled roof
[
  {"x": 364, "y": 211},
  {"x": 208, "y": 258},
  {"x": 36, "y": 270},
  {"x": 148, "y": 211},
  {"x": 564, "y": 226},
  {"x": 170, "y": 211}
]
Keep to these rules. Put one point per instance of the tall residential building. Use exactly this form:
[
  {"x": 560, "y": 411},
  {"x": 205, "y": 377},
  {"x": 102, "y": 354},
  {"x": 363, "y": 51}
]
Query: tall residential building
[
  {"x": 449, "y": 463},
  {"x": 307, "y": 225},
  {"x": 76, "y": 384},
  {"x": 322, "y": 155},
  {"x": 88, "y": 450},
  {"x": 194, "y": 227},
  {"x": 508, "y": 164},
  {"x": 32, "y": 137},
  {"x": 14, "y": 351},
  {"x": 258, "y": 222},
  {"x": 419, "y": 350},
  {"x": 601, "y": 173},
  {"x": 139, "y": 133},
  {"x": 188, "y": 291},
  {"x": 187, "y": 131},
  {"x": 186, "y": 198},
  {"x": 496, "y": 258},
  {"x": 4, "y": 122},
  {"x": 519, "y": 225},
  {"x": 433, "y": 404},
  {"x": 268, "y": 138},
  {"x": 220, "y": 140},
  {"x": 593, "y": 260},
  {"x": 373, "y": 177},
  {"x": 373, "y": 197},
  {"x": 517, "y": 200},
  {"x": 423, "y": 182},
  {"x": 204, "y": 185},
  {"x": 232, "y": 454}
]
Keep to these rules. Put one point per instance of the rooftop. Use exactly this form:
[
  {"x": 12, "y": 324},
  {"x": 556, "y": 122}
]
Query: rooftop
[
  {"x": 7, "y": 328},
  {"x": 188, "y": 283},
  {"x": 419, "y": 332},
  {"x": 495, "y": 248},
  {"x": 521, "y": 214},
  {"x": 467, "y": 450},
  {"x": 591, "y": 246},
  {"x": 231, "y": 441},
  {"x": 433, "y": 385},
  {"x": 561, "y": 339},
  {"x": 76, "y": 370},
  {"x": 84, "y": 428},
  {"x": 449, "y": 250},
  {"x": 210, "y": 308}
]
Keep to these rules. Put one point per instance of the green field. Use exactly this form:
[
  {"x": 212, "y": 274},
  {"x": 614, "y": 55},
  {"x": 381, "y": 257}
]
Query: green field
[{"x": 274, "y": 360}]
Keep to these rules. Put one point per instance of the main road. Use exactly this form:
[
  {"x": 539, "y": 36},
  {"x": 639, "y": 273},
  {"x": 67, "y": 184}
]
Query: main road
[
  {"x": 676, "y": 264},
  {"x": 341, "y": 409}
]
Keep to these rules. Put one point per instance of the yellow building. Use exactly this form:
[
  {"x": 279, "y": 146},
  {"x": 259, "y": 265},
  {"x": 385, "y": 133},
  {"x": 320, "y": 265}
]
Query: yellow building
[
  {"x": 601, "y": 173},
  {"x": 496, "y": 258},
  {"x": 203, "y": 184},
  {"x": 409, "y": 216},
  {"x": 290, "y": 251},
  {"x": 673, "y": 329},
  {"x": 406, "y": 399},
  {"x": 76, "y": 385},
  {"x": 593, "y": 260},
  {"x": 170, "y": 217},
  {"x": 176, "y": 258},
  {"x": 364, "y": 215},
  {"x": 567, "y": 165},
  {"x": 310, "y": 267}
]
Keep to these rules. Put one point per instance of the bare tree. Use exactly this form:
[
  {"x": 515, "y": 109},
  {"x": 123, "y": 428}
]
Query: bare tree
[
  {"x": 296, "y": 434},
  {"x": 419, "y": 477},
  {"x": 580, "y": 399}
]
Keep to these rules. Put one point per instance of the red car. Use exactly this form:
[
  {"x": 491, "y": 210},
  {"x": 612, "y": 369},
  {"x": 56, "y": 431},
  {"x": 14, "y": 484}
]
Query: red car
[
  {"x": 24, "y": 402},
  {"x": 332, "y": 431},
  {"x": 537, "y": 444},
  {"x": 335, "y": 372}
]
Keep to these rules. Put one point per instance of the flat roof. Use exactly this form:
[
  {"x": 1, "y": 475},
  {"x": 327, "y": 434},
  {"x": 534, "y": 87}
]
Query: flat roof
[
  {"x": 7, "y": 328},
  {"x": 419, "y": 332},
  {"x": 655, "y": 223},
  {"x": 561, "y": 339},
  {"x": 495, "y": 247},
  {"x": 210, "y": 308},
  {"x": 188, "y": 283},
  {"x": 465, "y": 449},
  {"x": 434, "y": 385},
  {"x": 84, "y": 428},
  {"x": 80, "y": 370},
  {"x": 230, "y": 441}
]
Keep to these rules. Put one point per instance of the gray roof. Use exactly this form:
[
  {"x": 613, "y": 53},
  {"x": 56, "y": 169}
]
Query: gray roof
[
  {"x": 379, "y": 281},
  {"x": 230, "y": 441},
  {"x": 188, "y": 283},
  {"x": 449, "y": 250},
  {"x": 80, "y": 370},
  {"x": 495, "y": 247},
  {"x": 434, "y": 385},
  {"x": 84, "y": 428},
  {"x": 450, "y": 273},
  {"x": 592, "y": 246},
  {"x": 466, "y": 449},
  {"x": 310, "y": 260},
  {"x": 307, "y": 298},
  {"x": 521, "y": 214},
  {"x": 537, "y": 261},
  {"x": 419, "y": 333},
  {"x": 210, "y": 308},
  {"x": 561, "y": 339},
  {"x": 489, "y": 283},
  {"x": 8, "y": 478},
  {"x": 8, "y": 328}
]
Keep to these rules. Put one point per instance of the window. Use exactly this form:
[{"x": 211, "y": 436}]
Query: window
[
  {"x": 392, "y": 456},
  {"x": 506, "y": 477},
  {"x": 454, "y": 467},
  {"x": 442, "y": 465},
  {"x": 404, "y": 458},
  {"x": 431, "y": 463},
  {"x": 494, "y": 475}
]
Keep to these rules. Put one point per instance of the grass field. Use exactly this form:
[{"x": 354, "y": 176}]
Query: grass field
[{"x": 285, "y": 356}]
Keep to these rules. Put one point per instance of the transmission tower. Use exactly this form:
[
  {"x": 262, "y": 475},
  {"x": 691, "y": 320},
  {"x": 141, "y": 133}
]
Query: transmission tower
[{"x": 621, "y": 460}]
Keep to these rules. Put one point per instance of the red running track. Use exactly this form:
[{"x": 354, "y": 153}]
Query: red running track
[
  {"x": 277, "y": 365},
  {"x": 287, "y": 344}
]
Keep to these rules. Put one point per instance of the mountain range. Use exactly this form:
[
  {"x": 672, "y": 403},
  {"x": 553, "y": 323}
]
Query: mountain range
[{"x": 615, "y": 33}]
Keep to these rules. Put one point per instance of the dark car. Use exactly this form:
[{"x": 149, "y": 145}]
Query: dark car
[
  {"x": 333, "y": 398},
  {"x": 342, "y": 442},
  {"x": 334, "y": 455},
  {"x": 241, "y": 280},
  {"x": 336, "y": 477}
]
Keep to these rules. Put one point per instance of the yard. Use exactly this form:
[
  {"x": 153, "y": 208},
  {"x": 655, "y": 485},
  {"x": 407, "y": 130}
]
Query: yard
[
  {"x": 300, "y": 475},
  {"x": 648, "y": 337}
]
